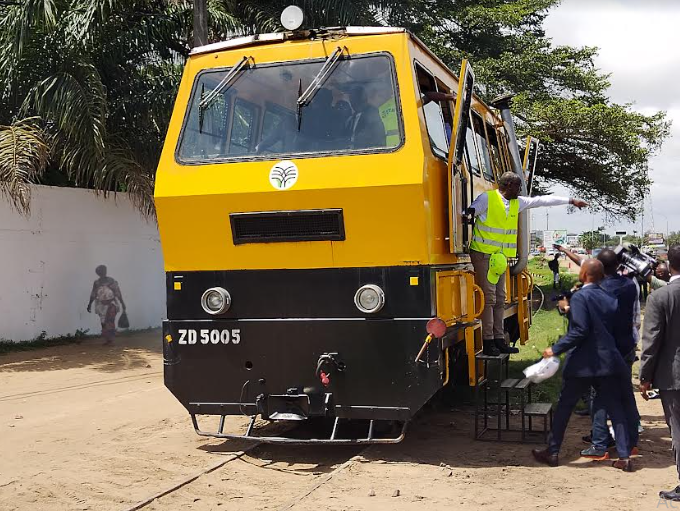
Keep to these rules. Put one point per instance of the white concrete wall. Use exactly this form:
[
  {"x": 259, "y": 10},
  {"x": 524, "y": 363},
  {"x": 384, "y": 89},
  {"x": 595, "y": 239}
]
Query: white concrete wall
[{"x": 47, "y": 263}]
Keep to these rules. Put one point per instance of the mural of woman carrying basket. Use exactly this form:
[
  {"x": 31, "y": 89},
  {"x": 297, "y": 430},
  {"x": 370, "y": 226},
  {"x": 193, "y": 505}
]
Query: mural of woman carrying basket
[{"x": 106, "y": 295}]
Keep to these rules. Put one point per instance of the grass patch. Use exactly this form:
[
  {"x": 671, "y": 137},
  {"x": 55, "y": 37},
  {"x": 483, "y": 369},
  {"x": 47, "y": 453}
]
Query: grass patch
[
  {"x": 547, "y": 327},
  {"x": 42, "y": 342},
  {"x": 543, "y": 277}
]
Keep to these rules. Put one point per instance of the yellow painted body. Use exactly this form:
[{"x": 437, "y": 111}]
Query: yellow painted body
[{"x": 395, "y": 204}]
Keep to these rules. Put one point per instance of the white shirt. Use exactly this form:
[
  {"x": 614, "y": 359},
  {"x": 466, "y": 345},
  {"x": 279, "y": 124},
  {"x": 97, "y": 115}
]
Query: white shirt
[
  {"x": 674, "y": 277},
  {"x": 481, "y": 203}
]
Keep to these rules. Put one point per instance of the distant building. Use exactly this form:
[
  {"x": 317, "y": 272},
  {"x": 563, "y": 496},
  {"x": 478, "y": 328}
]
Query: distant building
[
  {"x": 572, "y": 240},
  {"x": 536, "y": 239}
]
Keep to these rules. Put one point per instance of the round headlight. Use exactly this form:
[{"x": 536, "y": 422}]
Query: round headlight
[
  {"x": 216, "y": 300},
  {"x": 369, "y": 298}
]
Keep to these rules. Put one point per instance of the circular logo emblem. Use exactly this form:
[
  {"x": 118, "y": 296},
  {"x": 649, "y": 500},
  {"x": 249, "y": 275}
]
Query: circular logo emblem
[{"x": 283, "y": 175}]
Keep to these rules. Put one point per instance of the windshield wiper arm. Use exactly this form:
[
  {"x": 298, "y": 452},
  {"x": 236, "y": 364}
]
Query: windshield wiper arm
[
  {"x": 328, "y": 67},
  {"x": 225, "y": 83}
]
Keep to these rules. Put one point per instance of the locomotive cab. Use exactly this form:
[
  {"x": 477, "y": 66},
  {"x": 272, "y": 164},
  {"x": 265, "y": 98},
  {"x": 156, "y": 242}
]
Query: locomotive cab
[{"x": 311, "y": 228}]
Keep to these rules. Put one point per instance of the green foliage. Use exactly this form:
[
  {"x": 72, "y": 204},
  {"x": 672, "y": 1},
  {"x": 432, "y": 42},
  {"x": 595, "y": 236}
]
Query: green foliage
[
  {"x": 595, "y": 239},
  {"x": 98, "y": 79},
  {"x": 42, "y": 341},
  {"x": 593, "y": 146},
  {"x": 23, "y": 157},
  {"x": 673, "y": 239},
  {"x": 547, "y": 327}
]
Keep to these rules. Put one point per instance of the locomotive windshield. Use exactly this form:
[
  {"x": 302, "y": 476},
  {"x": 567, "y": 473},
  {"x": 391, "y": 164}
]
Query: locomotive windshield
[{"x": 255, "y": 116}]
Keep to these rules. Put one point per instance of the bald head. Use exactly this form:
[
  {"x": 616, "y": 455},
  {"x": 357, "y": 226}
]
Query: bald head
[
  {"x": 609, "y": 261},
  {"x": 592, "y": 271}
]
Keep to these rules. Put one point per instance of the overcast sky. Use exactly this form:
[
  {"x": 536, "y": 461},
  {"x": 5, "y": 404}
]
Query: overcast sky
[{"x": 639, "y": 45}]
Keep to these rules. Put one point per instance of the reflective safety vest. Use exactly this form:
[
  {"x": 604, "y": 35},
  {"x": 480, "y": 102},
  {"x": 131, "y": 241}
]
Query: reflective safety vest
[
  {"x": 388, "y": 114},
  {"x": 498, "y": 233}
]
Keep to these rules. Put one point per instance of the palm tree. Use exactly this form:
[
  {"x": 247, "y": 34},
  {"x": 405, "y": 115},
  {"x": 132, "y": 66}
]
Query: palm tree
[{"x": 87, "y": 86}]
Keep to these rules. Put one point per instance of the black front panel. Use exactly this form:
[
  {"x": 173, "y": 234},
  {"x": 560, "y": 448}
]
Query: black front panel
[
  {"x": 322, "y": 293},
  {"x": 221, "y": 367},
  {"x": 279, "y": 226}
]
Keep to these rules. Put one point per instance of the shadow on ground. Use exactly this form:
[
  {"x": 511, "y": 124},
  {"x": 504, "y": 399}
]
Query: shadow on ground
[
  {"x": 131, "y": 351},
  {"x": 445, "y": 439}
]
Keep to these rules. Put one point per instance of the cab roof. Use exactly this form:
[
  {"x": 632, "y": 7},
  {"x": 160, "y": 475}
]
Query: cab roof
[{"x": 276, "y": 37}]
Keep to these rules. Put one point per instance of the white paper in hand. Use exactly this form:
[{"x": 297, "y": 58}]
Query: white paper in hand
[{"x": 542, "y": 370}]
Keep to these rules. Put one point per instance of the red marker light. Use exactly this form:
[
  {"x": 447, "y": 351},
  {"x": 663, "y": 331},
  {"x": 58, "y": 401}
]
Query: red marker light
[
  {"x": 436, "y": 327},
  {"x": 324, "y": 379}
]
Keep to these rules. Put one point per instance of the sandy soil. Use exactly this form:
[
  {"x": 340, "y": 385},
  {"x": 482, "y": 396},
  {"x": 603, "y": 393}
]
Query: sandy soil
[{"x": 92, "y": 427}]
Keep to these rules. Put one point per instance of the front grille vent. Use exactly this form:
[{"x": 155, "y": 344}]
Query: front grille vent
[{"x": 279, "y": 226}]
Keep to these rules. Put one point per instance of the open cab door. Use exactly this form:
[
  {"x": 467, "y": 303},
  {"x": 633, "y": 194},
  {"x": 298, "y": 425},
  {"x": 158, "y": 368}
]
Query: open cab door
[
  {"x": 529, "y": 161},
  {"x": 459, "y": 225}
]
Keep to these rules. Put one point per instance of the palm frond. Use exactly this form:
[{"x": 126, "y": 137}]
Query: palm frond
[
  {"x": 120, "y": 171},
  {"x": 24, "y": 153},
  {"x": 75, "y": 103}
]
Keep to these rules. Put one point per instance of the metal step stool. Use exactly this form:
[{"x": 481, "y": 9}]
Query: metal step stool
[{"x": 538, "y": 410}]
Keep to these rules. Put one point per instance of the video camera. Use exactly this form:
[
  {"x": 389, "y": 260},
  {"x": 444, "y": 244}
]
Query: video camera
[{"x": 634, "y": 260}]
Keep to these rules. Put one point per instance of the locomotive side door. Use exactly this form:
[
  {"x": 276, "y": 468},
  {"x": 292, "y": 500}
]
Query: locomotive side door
[{"x": 458, "y": 182}]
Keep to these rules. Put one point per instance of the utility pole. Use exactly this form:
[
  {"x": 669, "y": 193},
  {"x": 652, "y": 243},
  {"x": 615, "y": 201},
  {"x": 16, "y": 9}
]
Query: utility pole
[{"x": 200, "y": 23}]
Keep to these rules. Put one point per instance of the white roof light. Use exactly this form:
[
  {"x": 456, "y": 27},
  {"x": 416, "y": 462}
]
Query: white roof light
[{"x": 291, "y": 17}]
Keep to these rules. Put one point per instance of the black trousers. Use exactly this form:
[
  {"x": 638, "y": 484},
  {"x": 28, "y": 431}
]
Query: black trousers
[
  {"x": 670, "y": 399},
  {"x": 610, "y": 391}
]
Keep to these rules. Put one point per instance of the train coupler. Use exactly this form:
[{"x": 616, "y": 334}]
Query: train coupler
[{"x": 328, "y": 363}]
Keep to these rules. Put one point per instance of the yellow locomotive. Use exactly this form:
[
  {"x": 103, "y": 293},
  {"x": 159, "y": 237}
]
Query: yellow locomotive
[{"x": 312, "y": 218}]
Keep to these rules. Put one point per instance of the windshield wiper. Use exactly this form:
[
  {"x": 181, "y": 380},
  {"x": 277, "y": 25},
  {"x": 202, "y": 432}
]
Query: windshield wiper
[
  {"x": 306, "y": 97},
  {"x": 225, "y": 83}
]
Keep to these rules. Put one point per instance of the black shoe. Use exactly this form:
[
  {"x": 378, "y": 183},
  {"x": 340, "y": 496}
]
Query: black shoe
[
  {"x": 583, "y": 413},
  {"x": 671, "y": 495},
  {"x": 490, "y": 348},
  {"x": 504, "y": 348},
  {"x": 545, "y": 457}
]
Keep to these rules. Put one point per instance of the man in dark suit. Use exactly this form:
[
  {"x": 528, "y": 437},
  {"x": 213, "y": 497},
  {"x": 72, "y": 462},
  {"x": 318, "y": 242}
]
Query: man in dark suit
[
  {"x": 593, "y": 360},
  {"x": 660, "y": 358},
  {"x": 626, "y": 293}
]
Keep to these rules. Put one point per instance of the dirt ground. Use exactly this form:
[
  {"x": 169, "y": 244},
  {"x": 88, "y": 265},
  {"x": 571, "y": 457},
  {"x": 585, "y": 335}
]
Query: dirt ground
[{"x": 92, "y": 427}]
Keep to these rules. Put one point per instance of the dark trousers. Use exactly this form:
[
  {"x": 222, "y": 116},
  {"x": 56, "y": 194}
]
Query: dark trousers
[
  {"x": 609, "y": 390},
  {"x": 601, "y": 436},
  {"x": 670, "y": 399}
]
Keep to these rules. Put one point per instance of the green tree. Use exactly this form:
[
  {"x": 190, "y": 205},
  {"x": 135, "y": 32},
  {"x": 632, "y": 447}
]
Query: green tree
[
  {"x": 593, "y": 146},
  {"x": 87, "y": 87},
  {"x": 673, "y": 239},
  {"x": 595, "y": 239}
]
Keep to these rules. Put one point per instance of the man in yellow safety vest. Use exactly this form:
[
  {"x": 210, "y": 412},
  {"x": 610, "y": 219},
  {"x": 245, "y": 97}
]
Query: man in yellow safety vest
[{"x": 494, "y": 239}]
